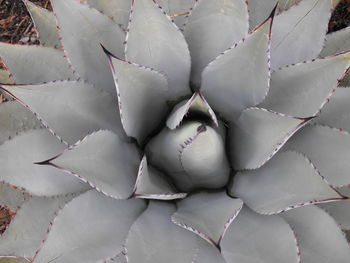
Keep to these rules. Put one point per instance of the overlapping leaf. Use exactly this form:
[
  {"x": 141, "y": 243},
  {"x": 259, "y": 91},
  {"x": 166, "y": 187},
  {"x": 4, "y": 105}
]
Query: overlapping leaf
[
  {"x": 71, "y": 109},
  {"x": 299, "y": 32},
  {"x": 208, "y": 215},
  {"x": 15, "y": 119},
  {"x": 28, "y": 63},
  {"x": 142, "y": 94},
  {"x": 301, "y": 90},
  {"x": 82, "y": 30},
  {"x": 97, "y": 233},
  {"x": 154, "y": 41},
  {"x": 18, "y": 158},
  {"x": 29, "y": 226},
  {"x": 255, "y": 238},
  {"x": 208, "y": 22},
  {"x": 45, "y": 24},
  {"x": 328, "y": 149},
  {"x": 319, "y": 238},
  {"x": 104, "y": 161},
  {"x": 287, "y": 181},
  {"x": 152, "y": 184},
  {"x": 258, "y": 134},
  {"x": 239, "y": 78}
]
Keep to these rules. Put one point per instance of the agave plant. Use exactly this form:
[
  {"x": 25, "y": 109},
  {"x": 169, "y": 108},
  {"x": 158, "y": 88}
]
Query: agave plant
[{"x": 177, "y": 131}]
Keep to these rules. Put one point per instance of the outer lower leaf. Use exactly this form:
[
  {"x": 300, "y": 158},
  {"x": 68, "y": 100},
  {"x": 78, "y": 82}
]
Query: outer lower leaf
[
  {"x": 213, "y": 27},
  {"x": 17, "y": 161},
  {"x": 151, "y": 184},
  {"x": 11, "y": 196},
  {"x": 239, "y": 77},
  {"x": 258, "y": 134},
  {"x": 178, "y": 10},
  {"x": 254, "y": 238},
  {"x": 71, "y": 109},
  {"x": 45, "y": 23},
  {"x": 196, "y": 104},
  {"x": 298, "y": 33},
  {"x": 151, "y": 38},
  {"x": 328, "y": 149},
  {"x": 35, "y": 64},
  {"x": 5, "y": 77},
  {"x": 82, "y": 30},
  {"x": 29, "y": 227},
  {"x": 336, "y": 112},
  {"x": 104, "y": 161},
  {"x": 259, "y": 10},
  {"x": 207, "y": 214},
  {"x": 287, "y": 181},
  {"x": 192, "y": 155},
  {"x": 98, "y": 232},
  {"x": 142, "y": 94},
  {"x": 15, "y": 119},
  {"x": 302, "y": 90},
  {"x": 319, "y": 238},
  {"x": 340, "y": 211},
  {"x": 118, "y": 10},
  {"x": 153, "y": 238}
]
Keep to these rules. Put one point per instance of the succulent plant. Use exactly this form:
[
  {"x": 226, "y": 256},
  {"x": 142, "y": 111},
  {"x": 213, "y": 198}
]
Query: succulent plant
[{"x": 176, "y": 131}]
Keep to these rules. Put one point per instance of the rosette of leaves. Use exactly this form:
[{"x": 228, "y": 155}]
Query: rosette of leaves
[{"x": 177, "y": 131}]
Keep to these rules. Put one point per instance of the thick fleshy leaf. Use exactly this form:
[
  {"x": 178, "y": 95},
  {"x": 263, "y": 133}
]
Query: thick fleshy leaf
[
  {"x": 17, "y": 161},
  {"x": 35, "y": 64},
  {"x": 15, "y": 119},
  {"x": 340, "y": 211},
  {"x": 302, "y": 90},
  {"x": 287, "y": 181},
  {"x": 319, "y": 238},
  {"x": 98, "y": 232},
  {"x": 207, "y": 214},
  {"x": 336, "y": 112},
  {"x": 151, "y": 184},
  {"x": 104, "y": 161},
  {"x": 5, "y": 77},
  {"x": 118, "y": 10},
  {"x": 239, "y": 77},
  {"x": 258, "y": 134},
  {"x": 29, "y": 226},
  {"x": 142, "y": 94},
  {"x": 45, "y": 24},
  {"x": 154, "y": 41},
  {"x": 83, "y": 30},
  {"x": 153, "y": 238},
  {"x": 213, "y": 27},
  {"x": 253, "y": 238},
  {"x": 301, "y": 31},
  {"x": 336, "y": 42},
  {"x": 192, "y": 155},
  {"x": 178, "y": 10},
  {"x": 196, "y": 104},
  {"x": 71, "y": 109},
  {"x": 12, "y": 196},
  {"x": 328, "y": 149}
]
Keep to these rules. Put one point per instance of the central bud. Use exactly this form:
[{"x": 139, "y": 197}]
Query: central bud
[{"x": 192, "y": 155}]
